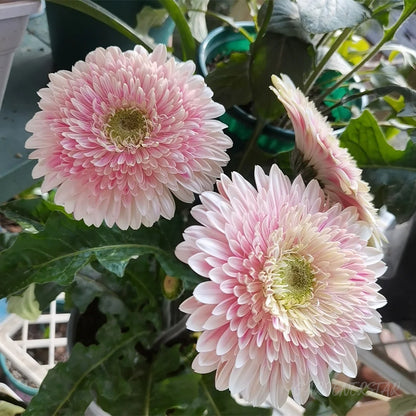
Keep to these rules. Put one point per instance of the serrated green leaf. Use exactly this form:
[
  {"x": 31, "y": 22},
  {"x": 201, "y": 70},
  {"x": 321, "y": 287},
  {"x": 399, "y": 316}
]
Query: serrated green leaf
[
  {"x": 317, "y": 408},
  {"x": 275, "y": 54},
  {"x": 65, "y": 246},
  {"x": 366, "y": 142},
  {"x": 400, "y": 406},
  {"x": 30, "y": 214},
  {"x": 46, "y": 293},
  {"x": 69, "y": 387},
  {"x": 7, "y": 239},
  {"x": 285, "y": 20},
  {"x": 408, "y": 94},
  {"x": 230, "y": 80},
  {"x": 391, "y": 173},
  {"x": 342, "y": 402},
  {"x": 175, "y": 392}
]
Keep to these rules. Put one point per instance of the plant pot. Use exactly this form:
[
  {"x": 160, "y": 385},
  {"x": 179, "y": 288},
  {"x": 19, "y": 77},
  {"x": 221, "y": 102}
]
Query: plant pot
[
  {"x": 16, "y": 381},
  {"x": 14, "y": 15},
  {"x": 222, "y": 41},
  {"x": 74, "y": 34},
  {"x": 82, "y": 327}
]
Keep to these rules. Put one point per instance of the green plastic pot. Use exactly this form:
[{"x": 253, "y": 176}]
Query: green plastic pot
[{"x": 74, "y": 34}]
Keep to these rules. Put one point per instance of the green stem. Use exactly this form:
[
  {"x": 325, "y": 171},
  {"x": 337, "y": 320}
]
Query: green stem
[
  {"x": 210, "y": 399},
  {"x": 85, "y": 375},
  {"x": 101, "y": 287},
  {"x": 187, "y": 40},
  {"x": 344, "y": 100},
  {"x": 148, "y": 392},
  {"x": 267, "y": 17},
  {"x": 171, "y": 333},
  {"x": 321, "y": 65},
  {"x": 388, "y": 35},
  {"x": 252, "y": 143}
]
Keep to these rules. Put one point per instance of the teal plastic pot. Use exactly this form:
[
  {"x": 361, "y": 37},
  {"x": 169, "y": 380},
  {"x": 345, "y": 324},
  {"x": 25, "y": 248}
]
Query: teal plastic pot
[
  {"x": 222, "y": 41},
  {"x": 24, "y": 391},
  {"x": 74, "y": 34}
]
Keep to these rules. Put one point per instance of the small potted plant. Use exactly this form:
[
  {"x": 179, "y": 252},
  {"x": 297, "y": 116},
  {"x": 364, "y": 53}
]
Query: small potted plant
[{"x": 14, "y": 15}]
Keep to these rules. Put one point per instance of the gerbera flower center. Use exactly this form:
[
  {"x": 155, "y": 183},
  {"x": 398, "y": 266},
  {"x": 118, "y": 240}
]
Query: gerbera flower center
[
  {"x": 292, "y": 281},
  {"x": 128, "y": 127}
]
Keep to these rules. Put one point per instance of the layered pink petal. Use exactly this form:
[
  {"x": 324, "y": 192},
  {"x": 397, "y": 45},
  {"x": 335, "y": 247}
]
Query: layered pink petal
[{"x": 291, "y": 287}]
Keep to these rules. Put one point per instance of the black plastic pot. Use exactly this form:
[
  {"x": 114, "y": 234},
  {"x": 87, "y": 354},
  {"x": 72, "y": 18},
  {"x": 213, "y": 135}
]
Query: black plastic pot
[
  {"x": 74, "y": 34},
  {"x": 398, "y": 285},
  {"x": 82, "y": 327}
]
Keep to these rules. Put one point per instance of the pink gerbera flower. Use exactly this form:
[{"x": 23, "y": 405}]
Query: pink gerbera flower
[
  {"x": 333, "y": 166},
  {"x": 123, "y": 132},
  {"x": 292, "y": 287}
]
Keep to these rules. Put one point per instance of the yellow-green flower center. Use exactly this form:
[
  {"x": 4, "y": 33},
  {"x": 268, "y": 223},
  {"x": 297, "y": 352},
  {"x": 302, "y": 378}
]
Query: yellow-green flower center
[
  {"x": 128, "y": 127},
  {"x": 292, "y": 281}
]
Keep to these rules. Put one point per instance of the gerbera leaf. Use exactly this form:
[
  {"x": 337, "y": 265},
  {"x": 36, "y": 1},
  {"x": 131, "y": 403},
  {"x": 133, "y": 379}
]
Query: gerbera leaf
[
  {"x": 30, "y": 214},
  {"x": 221, "y": 403},
  {"x": 390, "y": 172},
  {"x": 329, "y": 15},
  {"x": 285, "y": 20},
  {"x": 65, "y": 246},
  {"x": 230, "y": 80},
  {"x": 342, "y": 402},
  {"x": 69, "y": 388},
  {"x": 409, "y": 95},
  {"x": 275, "y": 54},
  {"x": 100, "y": 13}
]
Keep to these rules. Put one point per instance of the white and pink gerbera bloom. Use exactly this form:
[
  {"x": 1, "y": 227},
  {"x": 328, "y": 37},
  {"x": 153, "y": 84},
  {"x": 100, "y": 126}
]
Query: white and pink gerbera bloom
[
  {"x": 124, "y": 132},
  {"x": 291, "y": 289},
  {"x": 333, "y": 166}
]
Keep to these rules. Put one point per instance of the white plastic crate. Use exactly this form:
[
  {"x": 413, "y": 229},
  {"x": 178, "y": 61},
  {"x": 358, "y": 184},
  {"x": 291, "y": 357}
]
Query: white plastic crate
[{"x": 16, "y": 349}]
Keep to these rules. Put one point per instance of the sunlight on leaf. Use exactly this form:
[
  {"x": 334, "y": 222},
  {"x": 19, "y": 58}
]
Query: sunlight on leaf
[
  {"x": 329, "y": 15},
  {"x": 391, "y": 173},
  {"x": 25, "y": 305}
]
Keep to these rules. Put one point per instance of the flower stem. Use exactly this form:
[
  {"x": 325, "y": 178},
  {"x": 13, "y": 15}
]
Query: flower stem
[
  {"x": 388, "y": 35},
  {"x": 171, "y": 333},
  {"x": 148, "y": 392},
  {"x": 321, "y": 65},
  {"x": 211, "y": 400},
  {"x": 260, "y": 123},
  {"x": 372, "y": 394}
]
